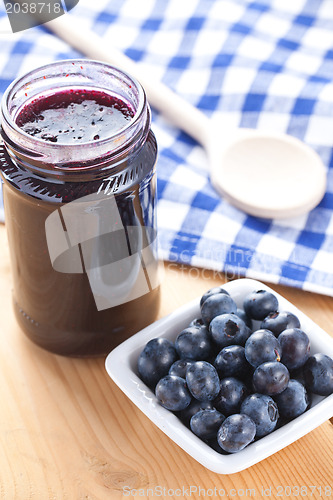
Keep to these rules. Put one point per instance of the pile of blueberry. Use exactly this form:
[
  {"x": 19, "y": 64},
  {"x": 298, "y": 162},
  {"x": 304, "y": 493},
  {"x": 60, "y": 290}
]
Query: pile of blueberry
[{"x": 229, "y": 382}]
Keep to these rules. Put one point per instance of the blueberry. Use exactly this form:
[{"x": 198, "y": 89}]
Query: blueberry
[
  {"x": 228, "y": 329},
  {"x": 194, "y": 406},
  {"x": 318, "y": 374},
  {"x": 259, "y": 303},
  {"x": 278, "y": 321},
  {"x": 231, "y": 361},
  {"x": 179, "y": 367},
  {"x": 270, "y": 378},
  {"x": 264, "y": 412},
  {"x": 212, "y": 291},
  {"x": 262, "y": 346},
  {"x": 215, "y": 446},
  {"x": 206, "y": 423},
  {"x": 231, "y": 395},
  {"x": 194, "y": 343},
  {"x": 242, "y": 315},
  {"x": 196, "y": 322},
  {"x": 219, "y": 303},
  {"x": 203, "y": 381},
  {"x": 293, "y": 401},
  {"x": 295, "y": 347},
  {"x": 298, "y": 374},
  {"x": 155, "y": 360},
  {"x": 172, "y": 393},
  {"x": 236, "y": 432}
]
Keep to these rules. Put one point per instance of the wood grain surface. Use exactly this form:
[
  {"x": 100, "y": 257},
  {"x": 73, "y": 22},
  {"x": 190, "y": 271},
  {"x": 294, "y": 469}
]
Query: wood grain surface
[{"x": 67, "y": 431}]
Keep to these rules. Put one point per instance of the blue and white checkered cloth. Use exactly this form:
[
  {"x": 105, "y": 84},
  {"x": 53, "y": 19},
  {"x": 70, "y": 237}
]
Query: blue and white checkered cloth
[{"x": 264, "y": 64}]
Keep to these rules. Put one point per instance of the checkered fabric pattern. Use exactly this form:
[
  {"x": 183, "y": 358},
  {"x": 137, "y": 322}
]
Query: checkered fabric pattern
[{"x": 265, "y": 64}]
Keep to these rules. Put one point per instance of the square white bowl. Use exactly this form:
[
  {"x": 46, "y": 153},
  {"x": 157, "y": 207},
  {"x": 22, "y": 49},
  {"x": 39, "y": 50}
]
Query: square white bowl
[{"x": 121, "y": 365}]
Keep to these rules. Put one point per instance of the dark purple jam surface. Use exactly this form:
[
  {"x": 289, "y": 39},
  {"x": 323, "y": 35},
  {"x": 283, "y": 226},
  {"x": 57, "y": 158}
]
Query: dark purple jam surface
[{"x": 74, "y": 116}]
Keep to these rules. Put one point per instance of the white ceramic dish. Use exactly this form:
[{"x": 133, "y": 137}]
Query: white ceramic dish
[{"x": 121, "y": 367}]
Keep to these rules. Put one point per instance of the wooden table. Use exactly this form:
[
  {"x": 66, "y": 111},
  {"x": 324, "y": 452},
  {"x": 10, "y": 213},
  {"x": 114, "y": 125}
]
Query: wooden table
[{"x": 67, "y": 431}]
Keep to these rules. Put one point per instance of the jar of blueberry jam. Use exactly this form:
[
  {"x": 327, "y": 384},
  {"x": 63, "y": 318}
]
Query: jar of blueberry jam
[{"x": 79, "y": 187}]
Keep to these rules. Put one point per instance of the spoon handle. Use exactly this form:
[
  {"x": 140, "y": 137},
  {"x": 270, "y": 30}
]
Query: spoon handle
[{"x": 180, "y": 112}]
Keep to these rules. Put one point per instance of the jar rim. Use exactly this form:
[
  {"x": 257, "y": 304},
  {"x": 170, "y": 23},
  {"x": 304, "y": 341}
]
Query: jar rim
[{"x": 10, "y": 126}]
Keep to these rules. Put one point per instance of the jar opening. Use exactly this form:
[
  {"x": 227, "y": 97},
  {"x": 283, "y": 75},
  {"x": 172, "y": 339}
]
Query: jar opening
[
  {"x": 70, "y": 77},
  {"x": 74, "y": 115}
]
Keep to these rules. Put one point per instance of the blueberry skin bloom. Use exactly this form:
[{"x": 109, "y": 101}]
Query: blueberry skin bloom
[
  {"x": 228, "y": 329},
  {"x": 318, "y": 374},
  {"x": 278, "y": 321},
  {"x": 295, "y": 348},
  {"x": 194, "y": 343},
  {"x": 155, "y": 360},
  {"x": 270, "y": 378},
  {"x": 206, "y": 423},
  {"x": 232, "y": 393},
  {"x": 264, "y": 412},
  {"x": 294, "y": 400},
  {"x": 236, "y": 432},
  {"x": 203, "y": 381},
  {"x": 259, "y": 303},
  {"x": 216, "y": 304},
  {"x": 262, "y": 346},
  {"x": 172, "y": 393}
]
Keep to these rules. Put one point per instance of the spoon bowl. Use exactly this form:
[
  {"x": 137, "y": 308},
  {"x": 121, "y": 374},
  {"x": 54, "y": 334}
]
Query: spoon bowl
[{"x": 265, "y": 174}]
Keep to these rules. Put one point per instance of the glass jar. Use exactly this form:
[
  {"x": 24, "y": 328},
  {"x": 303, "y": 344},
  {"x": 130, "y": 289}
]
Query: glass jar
[{"x": 81, "y": 218}]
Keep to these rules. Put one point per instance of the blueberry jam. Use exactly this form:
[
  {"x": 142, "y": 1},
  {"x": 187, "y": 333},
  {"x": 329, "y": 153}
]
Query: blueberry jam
[
  {"x": 59, "y": 149},
  {"x": 74, "y": 116}
]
